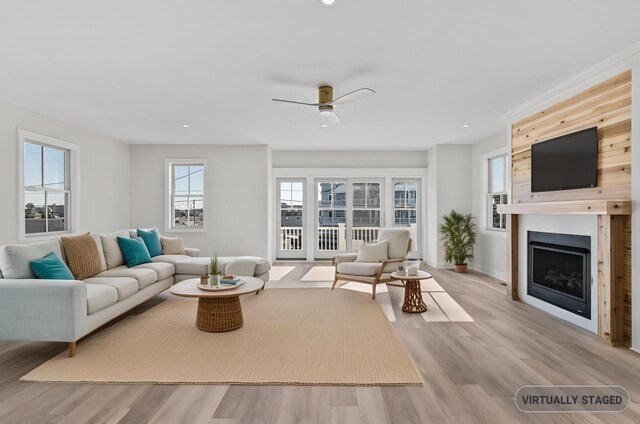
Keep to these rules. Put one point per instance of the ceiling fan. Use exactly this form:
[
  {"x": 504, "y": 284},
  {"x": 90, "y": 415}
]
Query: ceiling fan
[{"x": 326, "y": 102}]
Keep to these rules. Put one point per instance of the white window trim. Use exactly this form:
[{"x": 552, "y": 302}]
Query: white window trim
[
  {"x": 485, "y": 228},
  {"x": 25, "y": 136},
  {"x": 168, "y": 228}
]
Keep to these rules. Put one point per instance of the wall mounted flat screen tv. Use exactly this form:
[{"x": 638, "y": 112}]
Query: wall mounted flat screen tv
[{"x": 567, "y": 162}]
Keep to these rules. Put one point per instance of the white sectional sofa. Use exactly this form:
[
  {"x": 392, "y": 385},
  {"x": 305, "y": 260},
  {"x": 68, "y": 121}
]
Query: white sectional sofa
[{"x": 67, "y": 310}]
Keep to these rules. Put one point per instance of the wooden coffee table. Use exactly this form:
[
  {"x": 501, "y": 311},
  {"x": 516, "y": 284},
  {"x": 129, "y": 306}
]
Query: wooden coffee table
[
  {"x": 217, "y": 310},
  {"x": 413, "y": 301}
]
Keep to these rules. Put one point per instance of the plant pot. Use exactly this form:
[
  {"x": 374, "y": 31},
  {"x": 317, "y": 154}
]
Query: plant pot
[
  {"x": 461, "y": 267},
  {"x": 214, "y": 280}
]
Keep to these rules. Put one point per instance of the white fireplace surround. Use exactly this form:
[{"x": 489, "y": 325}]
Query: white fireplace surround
[{"x": 586, "y": 225}]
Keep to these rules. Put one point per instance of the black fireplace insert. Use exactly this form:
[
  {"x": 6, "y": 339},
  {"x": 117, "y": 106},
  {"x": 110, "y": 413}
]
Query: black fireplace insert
[{"x": 559, "y": 270}]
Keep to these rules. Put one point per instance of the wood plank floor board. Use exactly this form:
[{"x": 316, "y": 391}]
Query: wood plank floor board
[
  {"x": 470, "y": 370},
  {"x": 148, "y": 405}
]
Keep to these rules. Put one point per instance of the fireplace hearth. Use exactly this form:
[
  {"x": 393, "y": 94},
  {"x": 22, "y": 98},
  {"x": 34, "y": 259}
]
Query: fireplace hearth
[{"x": 559, "y": 270}]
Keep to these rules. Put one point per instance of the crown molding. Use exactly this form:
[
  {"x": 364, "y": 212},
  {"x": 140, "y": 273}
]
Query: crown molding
[{"x": 600, "y": 72}]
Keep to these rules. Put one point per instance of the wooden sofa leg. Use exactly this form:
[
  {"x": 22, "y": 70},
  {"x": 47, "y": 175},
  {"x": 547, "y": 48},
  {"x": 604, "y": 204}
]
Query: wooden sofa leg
[
  {"x": 373, "y": 291},
  {"x": 72, "y": 349},
  {"x": 335, "y": 280}
]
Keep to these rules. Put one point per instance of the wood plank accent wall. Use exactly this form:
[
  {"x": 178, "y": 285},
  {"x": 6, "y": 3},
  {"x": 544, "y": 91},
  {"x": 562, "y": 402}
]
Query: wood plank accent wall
[{"x": 607, "y": 106}]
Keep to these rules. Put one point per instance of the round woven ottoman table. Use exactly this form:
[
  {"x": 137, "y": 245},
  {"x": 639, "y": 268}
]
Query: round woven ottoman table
[{"x": 221, "y": 310}]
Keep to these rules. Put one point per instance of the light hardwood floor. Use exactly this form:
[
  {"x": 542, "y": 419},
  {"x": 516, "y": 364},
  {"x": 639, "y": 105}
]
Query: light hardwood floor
[{"x": 471, "y": 371}]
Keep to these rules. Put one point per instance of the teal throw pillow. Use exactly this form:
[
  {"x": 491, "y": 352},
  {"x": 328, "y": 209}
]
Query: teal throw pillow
[
  {"x": 151, "y": 239},
  {"x": 51, "y": 267},
  {"x": 135, "y": 252}
]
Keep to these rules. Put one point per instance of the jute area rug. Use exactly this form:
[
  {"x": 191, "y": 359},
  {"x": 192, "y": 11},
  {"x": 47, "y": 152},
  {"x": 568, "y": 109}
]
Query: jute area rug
[{"x": 290, "y": 336}]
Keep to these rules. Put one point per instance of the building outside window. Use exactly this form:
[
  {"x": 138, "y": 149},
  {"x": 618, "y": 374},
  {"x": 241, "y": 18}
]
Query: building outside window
[
  {"x": 187, "y": 195},
  {"x": 47, "y": 190},
  {"x": 497, "y": 194}
]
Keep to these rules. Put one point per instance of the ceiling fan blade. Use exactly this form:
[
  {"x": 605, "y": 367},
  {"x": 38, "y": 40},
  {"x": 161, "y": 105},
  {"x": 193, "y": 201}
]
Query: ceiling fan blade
[
  {"x": 353, "y": 95},
  {"x": 296, "y": 103}
]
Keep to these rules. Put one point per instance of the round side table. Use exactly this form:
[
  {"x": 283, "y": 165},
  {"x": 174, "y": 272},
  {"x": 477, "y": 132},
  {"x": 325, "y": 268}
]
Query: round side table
[{"x": 413, "y": 301}]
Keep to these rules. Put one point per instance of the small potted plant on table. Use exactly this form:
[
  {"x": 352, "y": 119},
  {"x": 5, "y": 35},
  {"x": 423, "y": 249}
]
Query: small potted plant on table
[
  {"x": 214, "y": 271},
  {"x": 458, "y": 233}
]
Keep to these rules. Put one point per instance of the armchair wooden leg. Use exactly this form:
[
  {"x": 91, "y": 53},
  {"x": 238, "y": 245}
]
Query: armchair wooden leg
[
  {"x": 373, "y": 291},
  {"x": 72, "y": 349},
  {"x": 335, "y": 281}
]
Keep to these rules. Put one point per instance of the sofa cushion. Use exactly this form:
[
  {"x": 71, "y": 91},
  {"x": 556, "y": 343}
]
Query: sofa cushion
[
  {"x": 162, "y": 269},
  {"x": 172, "y": 246},
  {"x": 112, "y": 252},
  {"x": 125, "y": 286},
  {"x": 51, "y": 267},
  {"x": 99, "y": 297},
  {"x": 83, "y": 256},
  {"x": 373, "y": 252},
  {"x": 151, "y": 239},
  {"x": 135, "y": 252},
  {"x": 15, "y": 258},
  {"x": 193, "y": 266},
  {"x": 200, "y": 265},
  {"x": 358, "y": 268},
  {"x": 170, "y": 259},
  {"x": 144, "y": 277}
]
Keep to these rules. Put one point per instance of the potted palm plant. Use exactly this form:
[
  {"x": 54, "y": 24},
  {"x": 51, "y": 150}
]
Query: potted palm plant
[
  {"x": 214, "y": 271},
  {"x": 458, "y": 235}
]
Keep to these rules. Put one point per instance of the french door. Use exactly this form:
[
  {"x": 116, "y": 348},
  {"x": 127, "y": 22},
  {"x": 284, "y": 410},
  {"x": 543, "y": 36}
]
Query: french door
[
  {"x": 291, "y": 230},
  {"x": 348, "y": 214},
  {"x": 406, "y": 204}
]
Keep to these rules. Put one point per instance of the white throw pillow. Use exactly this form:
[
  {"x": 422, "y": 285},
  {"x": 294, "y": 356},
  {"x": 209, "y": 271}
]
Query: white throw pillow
[
  {"x": 373, "y": 252},
  {"x": 111, "y": 248}
]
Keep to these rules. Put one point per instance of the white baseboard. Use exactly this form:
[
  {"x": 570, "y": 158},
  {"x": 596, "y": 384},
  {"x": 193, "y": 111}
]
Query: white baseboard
[{"x": 500, "y": 275}]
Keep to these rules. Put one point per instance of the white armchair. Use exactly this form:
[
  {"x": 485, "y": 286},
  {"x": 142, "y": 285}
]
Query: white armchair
[{"x": 347, "y": 268}]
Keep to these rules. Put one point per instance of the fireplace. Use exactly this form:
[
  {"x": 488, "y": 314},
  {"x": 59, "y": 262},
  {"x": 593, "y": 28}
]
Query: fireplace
[{"x": 559, "y": 270}]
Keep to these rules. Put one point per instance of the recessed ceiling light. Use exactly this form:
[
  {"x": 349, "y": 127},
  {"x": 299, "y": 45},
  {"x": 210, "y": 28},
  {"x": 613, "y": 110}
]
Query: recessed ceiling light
[
  {"x": 466, "y": 125},
  {"x": 324, "y": 125},
  {"x": 185, "y": 125},
  {"x": 328, "y": 3}
]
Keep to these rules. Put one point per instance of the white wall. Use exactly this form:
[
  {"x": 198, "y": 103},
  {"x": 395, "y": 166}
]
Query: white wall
[
  {"x": 448, "y": 187},
  {"x": 348, "y": 159},
  {"x": 104, "y": 172},
  {"x": 237, "y": 189},
  {"x": 491, "y": 247}
]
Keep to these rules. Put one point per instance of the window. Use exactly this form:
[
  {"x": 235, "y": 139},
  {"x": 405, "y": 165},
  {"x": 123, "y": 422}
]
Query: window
[
  {"x": 187, "y": 196},
  {"x": 46, "y": 184},
  {"x": 497, "y": 194}
]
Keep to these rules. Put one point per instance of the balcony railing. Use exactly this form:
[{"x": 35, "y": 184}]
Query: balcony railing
[{"x": 334, "y": 238}]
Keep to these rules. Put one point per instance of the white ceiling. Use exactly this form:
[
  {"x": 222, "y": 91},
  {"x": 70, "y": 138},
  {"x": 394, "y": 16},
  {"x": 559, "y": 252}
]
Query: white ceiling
[{"x": 137, "y": 70}]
